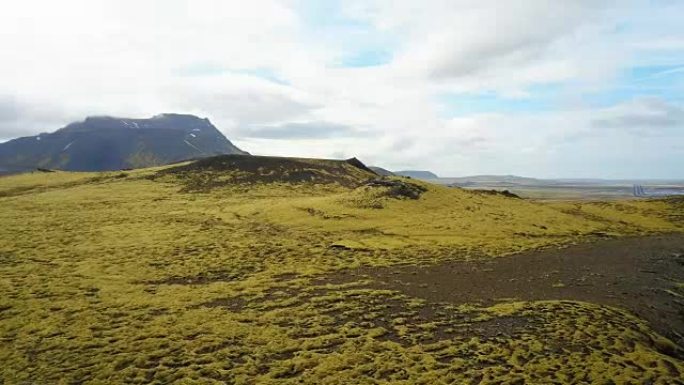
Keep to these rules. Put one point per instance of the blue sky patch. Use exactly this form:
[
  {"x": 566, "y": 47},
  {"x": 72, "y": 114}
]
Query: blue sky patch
[
  {"x": 369, "y": 58},
  {"x": 665, "y": 82},
  {"x": 360, "y": 43},
  {"x": 541, "y": 99}
]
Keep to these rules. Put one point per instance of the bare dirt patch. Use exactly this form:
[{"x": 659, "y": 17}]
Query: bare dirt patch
[{"x": 643, "y": 275}]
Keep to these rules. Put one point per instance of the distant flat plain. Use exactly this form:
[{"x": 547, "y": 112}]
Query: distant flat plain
[{"x": 591, "y": 189}]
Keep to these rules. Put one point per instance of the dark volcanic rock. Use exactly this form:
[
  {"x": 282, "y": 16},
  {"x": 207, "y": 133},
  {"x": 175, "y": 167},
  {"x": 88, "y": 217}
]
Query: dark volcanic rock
[
  {"x": 505, "y": 193},
  {"x": 107, "y": 143},
  {"x": 358, "y": 164},
  {"x": 398, "y": 188},
  {"x": 208, "y": 173}
]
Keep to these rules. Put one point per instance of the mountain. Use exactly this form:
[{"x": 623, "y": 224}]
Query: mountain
[
  {"x": 381, "y": 171},
  {"x": 106, "y": 143},
  {"x": 417, "y": 174}
]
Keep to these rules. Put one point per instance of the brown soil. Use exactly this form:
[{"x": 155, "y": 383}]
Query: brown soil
[{"x": 643, "y": 275}]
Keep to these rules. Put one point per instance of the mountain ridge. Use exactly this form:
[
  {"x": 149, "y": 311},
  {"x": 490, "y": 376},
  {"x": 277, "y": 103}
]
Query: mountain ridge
[
  {"x": 418, "y": 174},
  {"x": 105, "y": 143}
]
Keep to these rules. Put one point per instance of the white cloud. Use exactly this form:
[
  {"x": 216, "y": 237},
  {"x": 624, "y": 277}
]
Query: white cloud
[
  {"x": 262, "y": 64},
  {"x": 644, "y": 117}
]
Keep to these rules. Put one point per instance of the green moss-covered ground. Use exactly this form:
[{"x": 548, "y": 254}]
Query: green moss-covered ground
[{"x": 128, "y": 278}]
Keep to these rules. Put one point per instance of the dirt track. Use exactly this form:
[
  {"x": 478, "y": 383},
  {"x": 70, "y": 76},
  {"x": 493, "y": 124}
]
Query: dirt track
[{"x": 644, "y": 275}]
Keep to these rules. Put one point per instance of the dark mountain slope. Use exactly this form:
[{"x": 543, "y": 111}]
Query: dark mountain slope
[
  {"x": 381, "y": 171},
  {"x": 107, "y": 143},
  {"x": 418, "y": 174}
]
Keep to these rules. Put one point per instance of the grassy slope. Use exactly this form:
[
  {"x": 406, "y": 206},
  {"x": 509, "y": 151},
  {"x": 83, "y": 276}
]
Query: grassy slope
[
  {"x": 455, "y": 218},
  {"x": 110, "y": 278}
]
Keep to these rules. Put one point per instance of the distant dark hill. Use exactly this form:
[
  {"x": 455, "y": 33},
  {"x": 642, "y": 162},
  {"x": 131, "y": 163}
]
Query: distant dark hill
[
  {"x": 381, "y": 171},
  {"x": 107, "y": 143},
  {"x": 417, "y": 174},
  {"x": 205, "y": 174}
]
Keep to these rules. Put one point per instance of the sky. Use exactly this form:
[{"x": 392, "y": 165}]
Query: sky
[{"x": 542, "y": 88}]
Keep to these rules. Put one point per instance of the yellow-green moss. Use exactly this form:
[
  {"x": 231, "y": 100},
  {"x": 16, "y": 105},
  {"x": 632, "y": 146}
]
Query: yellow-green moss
[{"x": 116, "y": 278}]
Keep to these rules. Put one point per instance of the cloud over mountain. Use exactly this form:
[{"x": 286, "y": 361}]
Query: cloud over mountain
[{"x": 465, "y": 79}]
